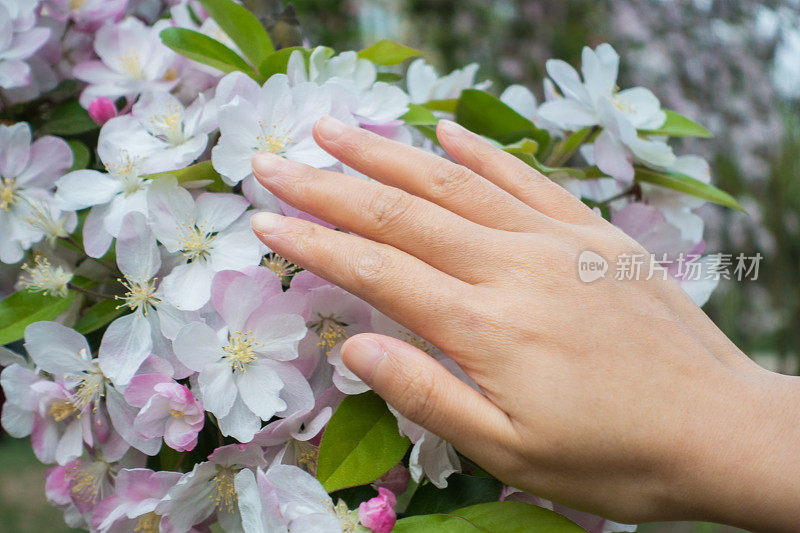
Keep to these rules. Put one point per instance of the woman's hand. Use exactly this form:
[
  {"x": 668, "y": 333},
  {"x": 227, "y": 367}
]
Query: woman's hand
[{"x": 616, "y": 397}]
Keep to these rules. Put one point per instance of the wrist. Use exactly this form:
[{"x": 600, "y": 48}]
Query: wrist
[{"x": 738, "y": 460}]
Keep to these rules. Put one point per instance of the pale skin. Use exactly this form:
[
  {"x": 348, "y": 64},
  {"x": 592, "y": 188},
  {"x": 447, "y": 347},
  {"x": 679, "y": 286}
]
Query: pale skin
[{"x": 617, "y": 397}]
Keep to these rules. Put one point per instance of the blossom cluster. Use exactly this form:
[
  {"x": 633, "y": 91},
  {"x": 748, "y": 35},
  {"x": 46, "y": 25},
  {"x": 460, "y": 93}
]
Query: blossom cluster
[{"x": 177, "y": 373}]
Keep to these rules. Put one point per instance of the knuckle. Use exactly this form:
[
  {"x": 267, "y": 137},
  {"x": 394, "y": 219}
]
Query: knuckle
[
  {"x": 370, "y": 266},
  {"x": 387, "y": 207},
  {"x": 448, "y": 179}
]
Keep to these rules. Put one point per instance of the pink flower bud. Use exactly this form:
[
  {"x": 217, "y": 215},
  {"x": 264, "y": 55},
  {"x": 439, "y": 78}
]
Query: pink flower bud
[
  {"x": 378, "y": 513},
  {"x": 102, "y": 110}
]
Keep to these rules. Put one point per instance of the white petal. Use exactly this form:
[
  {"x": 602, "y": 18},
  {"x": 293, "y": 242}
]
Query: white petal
[
  {"x": 83, "y": 188},
  {"x": 259, "y": 388},
  {"x": 70, "y": 445},
  {"x": 96, "y": 239},
  {"x": 137, "y": 252},
  {"x": 520, "y": 99},
  {"x": 217, "y": 211},
  {"x": 240, "y": 422},
  {"x": 197, "y": 346},
  {"x": 56, "y": 348},
  {"x": 188, "y": 287},
  {"x": 125, "y": 345},
  {"x": 218, "y": 388}
]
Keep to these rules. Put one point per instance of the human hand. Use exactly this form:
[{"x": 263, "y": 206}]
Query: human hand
[{"x": 616, "y": 397}]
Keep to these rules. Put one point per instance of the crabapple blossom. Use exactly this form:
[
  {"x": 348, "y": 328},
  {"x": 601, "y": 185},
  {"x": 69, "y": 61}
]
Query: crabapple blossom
[
  {"x": 520, "y": 99},
  {"x": 245, "y": 370},
  {"x": 27, "y": 173},
  {"x": 168, "y": 409},
  {"x": 87, "y": 15},
  {"x": 425, "y": 85},
  {"x": 289, "y": 497},
  {"x": 210, "y": 488},
  {"x": 137, "y": 493},
  {"x": 332, "y": 315},
  {"x": 20, "y": 38},
  {"x": 276, "y": 118},
  {"x": 102, "y": 110},
  {"x": 160, "y": 132},
  {"x": 132, "y": 61},
  {"x": 210, "y": 232},
  {"x": 378, "y": 513}
]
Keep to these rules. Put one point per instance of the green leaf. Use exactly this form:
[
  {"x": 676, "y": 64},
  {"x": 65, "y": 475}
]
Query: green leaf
[
  {"x": 242, "y": 27},
  {"x": 676, "y": 125},
  {"x": 485, "y": 115},
  {"x": 419, "y": 116},
  {"x": 99, "y": 315},
  {"x": 360, "y": 444},
  {"x": 688, "y": 185},
  {"x": 203, "y": 49},
  {"x": 69, "y": 118},
  {"x": 522, "y": 146},
  {"x": 448, "y": 106},
  {"x": 388, "y": 77},
  {"x": 199, "y": 172},
  {"x": 80, "y": 154},
  {"x": 495, "y": 517},
  {"x": 386, "y": 52},
  {"x": 277, "y": 62},
  {"x": 23, "y": 308},
  {"x": 461, "y": 490},
  {"x": 531, "y": 160}
]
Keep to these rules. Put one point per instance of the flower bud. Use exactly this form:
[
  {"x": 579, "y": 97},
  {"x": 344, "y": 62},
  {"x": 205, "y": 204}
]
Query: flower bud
[
  {"x": 102, "y": 110},
  {"x": 378, "y": 513}
]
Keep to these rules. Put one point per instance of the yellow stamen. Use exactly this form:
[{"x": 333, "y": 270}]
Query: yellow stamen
[
  {"x": 225, "y": 496},
  {"x": 330, "y": 330},
  {"x": 140, "y": 295},
  {"x": 8, "y": 193},
  {"x": 60, "y": 410},
  {"x": 280, "y": 266},
  {"x": 240, "y": 350},
  {"x": 148, "y": 523}
]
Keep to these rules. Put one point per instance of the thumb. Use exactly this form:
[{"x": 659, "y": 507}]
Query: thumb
[{"x": 425, "y": 392}]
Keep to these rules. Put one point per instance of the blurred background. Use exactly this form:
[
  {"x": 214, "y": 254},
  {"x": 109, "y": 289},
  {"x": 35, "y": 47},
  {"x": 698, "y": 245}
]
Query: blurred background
[{"x": 733, "y": 66}]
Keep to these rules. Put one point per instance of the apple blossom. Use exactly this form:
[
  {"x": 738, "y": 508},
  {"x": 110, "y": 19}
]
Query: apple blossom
[
  {"x": 276, "y": 117},
  {"x": 88, "y": 15},
  {"x": 245, "y": 373},
  {"x": 168, "y": 409},
  {"x": 160, "y": 132},
  {"x": 425, "y": 85},
  {"x": 27, "y": 173},
  {"x": 378, "y": 513},
  {"x": 210, "y": 232},
  {"x": 102, "y": 110},
  {"x": 137, "y": 493},
  {"x": 19, "y": 39},
  {"x": 210, "y": 488},
  {"x": 132, "y": 61}
]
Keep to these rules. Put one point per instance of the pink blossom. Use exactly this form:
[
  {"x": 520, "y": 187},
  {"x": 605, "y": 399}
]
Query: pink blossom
[
  {"x": 102, "y": 109},
  {"x": 378, "y": 513},
  {"x": 396, "y": 479},
  {"x": 168, "y": 409},
  {"x": 137, "y": 492}
]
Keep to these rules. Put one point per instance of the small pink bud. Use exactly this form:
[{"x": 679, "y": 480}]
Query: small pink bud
[
  {"x": 102, "y": 110},
  {"x": 378, "y": 513}
]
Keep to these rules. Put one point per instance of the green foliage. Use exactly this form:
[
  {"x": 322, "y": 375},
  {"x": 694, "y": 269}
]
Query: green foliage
[
  {"x": 199, "y": 172},
  {"x": 203, "y": 49},
  {"x": 687, "y": 185},
  {"x": 23, "y": 308},
  {"x": 276, "y": 62},
  {"x": 386, "y": 52},
  {"x": 497, "y": 517},
  {"x": 69, "y": 118},
  {"x": 419, "y": 116},
  {"x": 98, "y": 316},
  {"x": 242, "y": 27},
  {"x": 360, "y": 444},
  {"x": 461, "y": 490},
  {"x": 677, "y": 125},
  {"x": 80, "y": 154},
  {"x": 486, "y": 115}
]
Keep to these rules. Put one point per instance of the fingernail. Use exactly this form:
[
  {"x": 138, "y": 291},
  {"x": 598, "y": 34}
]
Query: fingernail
[
  {"x": 363, "y": 355},
  {"x": 267, "y": 164},
  {"x": 265, "y": 222},
  {"x": 448, "y": 126},
  {"x": 329, "y": 127}
]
